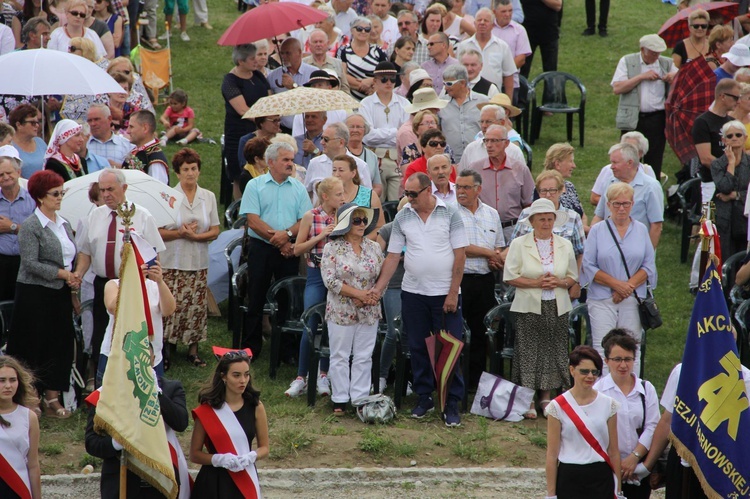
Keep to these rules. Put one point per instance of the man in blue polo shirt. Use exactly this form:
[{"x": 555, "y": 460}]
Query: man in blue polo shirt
[{"x": 274, "y": 204}]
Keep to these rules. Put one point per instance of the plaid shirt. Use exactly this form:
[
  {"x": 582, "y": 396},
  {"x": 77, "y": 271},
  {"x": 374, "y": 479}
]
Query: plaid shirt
[
  {"x": 319, "y": 222},
  {"x": 572, "y": 230},
  {"x": 690, "y": 95}
]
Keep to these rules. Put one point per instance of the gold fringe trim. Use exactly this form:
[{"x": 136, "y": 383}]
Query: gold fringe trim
[
  {"x": 102, "y": 425},
  {"x": 688, "y": 456}
]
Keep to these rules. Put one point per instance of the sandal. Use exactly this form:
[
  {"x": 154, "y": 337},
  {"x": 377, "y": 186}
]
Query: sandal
[
  {"x": 196, "y": 361},
  {"x": 543, "y": 406},
  {"x": 530, "y": 414},
  {"x": 49, "y": 411},
  {"x": 339, "y": 409},
  {"x": 89, "y": 386}
]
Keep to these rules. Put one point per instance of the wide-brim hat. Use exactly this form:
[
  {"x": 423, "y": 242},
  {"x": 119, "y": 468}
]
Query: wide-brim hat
[
  {"x": 425, "y": 98},
  {"x": 543, "y": 205},
  {"x": 322, "y": 75},
  {"x": 503, "y": 101},
  {"x": 344, "y": 217},
  {"x": 739, "y": 55}
]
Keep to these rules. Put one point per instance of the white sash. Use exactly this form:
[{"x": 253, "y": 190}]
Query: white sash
[
  {"x": 15, "y": 463},
  {"x": 182, "y": 467},
  {"x": 239, "y": 439}
]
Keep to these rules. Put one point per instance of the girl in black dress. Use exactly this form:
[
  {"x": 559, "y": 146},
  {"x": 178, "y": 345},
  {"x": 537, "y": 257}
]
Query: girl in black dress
[{"x": 229, "y": 418}]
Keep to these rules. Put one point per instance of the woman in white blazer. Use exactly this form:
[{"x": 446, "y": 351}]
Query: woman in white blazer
[{"x": 542, "y": 267}]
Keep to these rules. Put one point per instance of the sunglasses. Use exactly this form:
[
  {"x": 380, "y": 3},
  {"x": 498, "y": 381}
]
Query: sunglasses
[
  {"x": 617, "y": 360},
  {"x": 56, "y": 194},
  {"x": 414, "y": 194},
  {"x": 430, "y": 44},
  {"x": 326, "y": 140},
  {"x": 436, "y": 143},
  {"x": 586, "y": 372},
  {"x": 82, "y": 15},
  {"x": 405, "y": 23},
  {"x": 734, "y": 136},
  {"x": 699, "y": 26},
  {"x": 449, "y": 84},
  {"x": 735, "y": 97},
  {"x": 493, "y": 141},
  {"x": 360, "y": 221},
  {"x": 362, "y": 29},
  {"x": 73, "y": 49},
  {"x": 236, "y": 354},
  {"x": 32, "y": 122},
  {"x": 388, "y": 79}
]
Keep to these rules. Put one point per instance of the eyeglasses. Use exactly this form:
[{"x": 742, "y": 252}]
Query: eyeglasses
[
  {"x": 493, "y": 141},
  {"x": 617, "y": 360},
  {"x": 586, "y": 372},
  {"x": 621, "y": 204},
  {"x": 734, "y": 136},
  {"x": 235, "y": 354},
  {"x": 326, "y": 140},
  {"x": 82, "y": 15},
  {"x": 73, "y": 48},
  {"x": 360, "y": 221},
  {"x": 466, "y": 187},
  {"x": 388, "y": 79},
  {"x": 449, "y": 84},
  {"x": 436, "y": 143},
  {"x": 362, "y": 29},
  {"x": 275, "y": 121},
  {"x": 735, "y": 97},
  {"x": 414, "y": 194},
  {"x": 487, "y": 122},
  {"x": 548, "y": 191},
  {"x": 430, "y": 44},
  {"x": 406, "y": 23},
  {"x": 699, "y": 26},
  {"x": 56, "y": 194},
  {"x": 32, "y": 122}
]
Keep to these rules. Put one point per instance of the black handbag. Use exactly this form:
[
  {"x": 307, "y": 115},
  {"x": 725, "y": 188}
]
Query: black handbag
[{"x": 647, "y": 308}]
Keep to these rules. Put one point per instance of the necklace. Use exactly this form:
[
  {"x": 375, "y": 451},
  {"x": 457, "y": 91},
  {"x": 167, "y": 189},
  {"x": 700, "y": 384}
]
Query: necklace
[
  {"x": 83, "y": 32},
  {"x": 700, "y": 52},
  {"x": 546, "y": 258}
]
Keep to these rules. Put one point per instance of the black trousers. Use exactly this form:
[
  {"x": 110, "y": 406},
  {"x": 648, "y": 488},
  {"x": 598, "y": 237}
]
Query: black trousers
[
  {"x": 101, "y": 318},
  {"x": 9, "y": 265},
  {"x": 642, "y": 491},
  {"x": 264, "y": 263},
  {"x": 591, "y": 13},
  {"x": 652, "y": 126},
  {"x": 478, "y": 292}
]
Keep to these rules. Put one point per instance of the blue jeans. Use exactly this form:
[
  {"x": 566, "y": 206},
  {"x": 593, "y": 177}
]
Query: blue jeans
[
  {"x": 102, "y": 366},
  {"x": 315, "y": 292},
  {"x": 392, "y": 307},
  {"x": 423, "y": 315}
]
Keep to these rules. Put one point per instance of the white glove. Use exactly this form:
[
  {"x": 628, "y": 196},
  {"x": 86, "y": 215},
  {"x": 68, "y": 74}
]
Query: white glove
[
  {"x": 116, "y": 444},
  {"x": 641, "y": 471},
  {"x": 227, "y": 461},
  {"x": 551, "y": 497},
  {"x": 248, "y": 459}
]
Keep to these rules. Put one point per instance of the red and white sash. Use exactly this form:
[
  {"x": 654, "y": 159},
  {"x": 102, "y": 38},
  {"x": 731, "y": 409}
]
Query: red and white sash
[
  {"x": 228, "y": 437},
  {"x": 562, "y": 401},
  {"x": 13, "y": 467},
  {"x": 175, "y": 452}
]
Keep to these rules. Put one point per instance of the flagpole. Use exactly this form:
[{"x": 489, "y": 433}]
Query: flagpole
[{"x": 123, "y": 474}]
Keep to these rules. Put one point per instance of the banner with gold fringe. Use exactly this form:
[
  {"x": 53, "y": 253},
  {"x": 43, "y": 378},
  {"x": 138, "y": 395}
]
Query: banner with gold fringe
[
  {"x": 128, "y": 407},
  {"x": 711, "y": 417}
]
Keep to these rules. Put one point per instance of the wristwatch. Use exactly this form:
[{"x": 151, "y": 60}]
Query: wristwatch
[
  {"x": 14, "y": 228},
  {"x": 289, "y": 233},
  {"x": 294, "y": 85}
]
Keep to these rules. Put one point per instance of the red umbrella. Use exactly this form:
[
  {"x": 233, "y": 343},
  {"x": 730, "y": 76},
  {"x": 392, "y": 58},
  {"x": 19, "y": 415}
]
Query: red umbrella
[
  {"x": 676, "y": 28},
  {"x": 690, "y": 95},
  {"x": 270, "y": 20},
  {"x": 444, "y": 350}
]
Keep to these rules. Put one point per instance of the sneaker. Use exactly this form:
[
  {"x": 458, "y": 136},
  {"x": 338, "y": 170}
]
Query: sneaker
[
  {"x": 184, "y": 36},
  {"x": 451, "y": 416},
  {"x": 163, "y": 142},
  {"x": 382, "y": 385},
  {"x": 296, "y": 388},
  {"x": 424, "y": 406},
  {"x": 166, "y": 35},
  {"x": 323, "y": 386},
  {"x": 182, "y": 142}
]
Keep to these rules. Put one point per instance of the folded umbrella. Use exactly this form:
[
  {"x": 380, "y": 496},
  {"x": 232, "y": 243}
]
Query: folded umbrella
[{"x": 444, "y": 350}]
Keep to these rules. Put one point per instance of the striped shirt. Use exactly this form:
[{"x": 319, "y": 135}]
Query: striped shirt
[
  {"x": 361, "y": 67},
  {"x": 572, "y": 230},
  {"x": 483, "y": 229},
  {"x": 320, "y": 221},
  {"x": 428, "y": 261}
]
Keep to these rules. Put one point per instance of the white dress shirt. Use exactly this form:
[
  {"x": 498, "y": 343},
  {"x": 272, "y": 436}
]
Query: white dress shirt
[
  {"x": 450, "y": 197},
  {"x": 383, "y": 125}
]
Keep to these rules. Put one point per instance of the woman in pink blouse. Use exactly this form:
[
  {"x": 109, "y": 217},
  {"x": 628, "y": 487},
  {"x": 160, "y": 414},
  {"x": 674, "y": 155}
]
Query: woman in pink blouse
[{"x": 350, "y": 267}]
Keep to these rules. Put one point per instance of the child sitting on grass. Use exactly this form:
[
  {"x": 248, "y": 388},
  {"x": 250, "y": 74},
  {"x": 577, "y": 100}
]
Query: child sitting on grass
[{"x": 179, "y": 119}]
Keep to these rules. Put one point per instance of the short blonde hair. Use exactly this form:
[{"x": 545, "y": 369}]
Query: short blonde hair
[
  {"x": 698, "y": 14},
  {"x": 326, "y": 186},
  {"x": 550, "y": 175},
  {"x": 557, "y": 152},
  {"x": 76, "y": 3},
  {"x": 619, "y": 189},
  {"x": 420, "y": 116},
  {"x": 88, "y": 49},
  {"x": 120, "y": 60}
]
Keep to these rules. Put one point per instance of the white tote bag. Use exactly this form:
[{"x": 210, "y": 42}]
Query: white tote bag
[{"x": 501, "y": 400}]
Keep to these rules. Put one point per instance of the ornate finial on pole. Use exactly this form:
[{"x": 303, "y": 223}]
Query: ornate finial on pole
[{"x": 126, "y": 211}]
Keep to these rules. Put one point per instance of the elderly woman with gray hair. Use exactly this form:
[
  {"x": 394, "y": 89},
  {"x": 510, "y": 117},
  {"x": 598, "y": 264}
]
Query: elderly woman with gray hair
[
  {"x": 241, "y": 88},
  {"x": 731, "y": 174}
]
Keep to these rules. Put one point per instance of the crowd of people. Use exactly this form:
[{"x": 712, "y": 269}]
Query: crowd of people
[{"x": 432, "y": 145}]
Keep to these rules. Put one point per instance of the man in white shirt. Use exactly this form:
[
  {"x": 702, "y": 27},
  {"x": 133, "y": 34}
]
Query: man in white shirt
[
  {"x": 499, "y": 64},
  {"x": 642, "y": 82},
  {"x": 385, "y": 112},
  {"x": 439, "y": 170},
  {"x": 605, "y": 174},
  {"x": 103, "y": 141},
  {"x": 334, "y": 141},
  {"x": 490, "y": 114},
  {"x": 344, "y": 15},
  {"x": 381, "y": 8},
  {"x": 472, "y": 60}
]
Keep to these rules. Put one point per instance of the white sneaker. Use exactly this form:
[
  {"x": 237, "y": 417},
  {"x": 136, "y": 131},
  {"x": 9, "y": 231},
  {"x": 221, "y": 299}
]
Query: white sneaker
[
  {"x": 182, "y": 142},
  {"x": 382, "y": 385},
  {"x": 324, "y": 386},
  {"x": 165, "y": 35},
  {"x": 296, "y": 388},
  {"x": 163, "y": 142},
  {"x": 184, "y": 36}
]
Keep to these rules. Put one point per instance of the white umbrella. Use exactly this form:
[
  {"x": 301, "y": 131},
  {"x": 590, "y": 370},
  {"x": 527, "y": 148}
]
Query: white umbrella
[
  {"x": 50, "y": 72},
  {"x": 159, "y": 199}
]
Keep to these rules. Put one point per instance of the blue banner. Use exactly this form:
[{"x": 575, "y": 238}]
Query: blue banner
[{"x": 711, "y": 418}]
